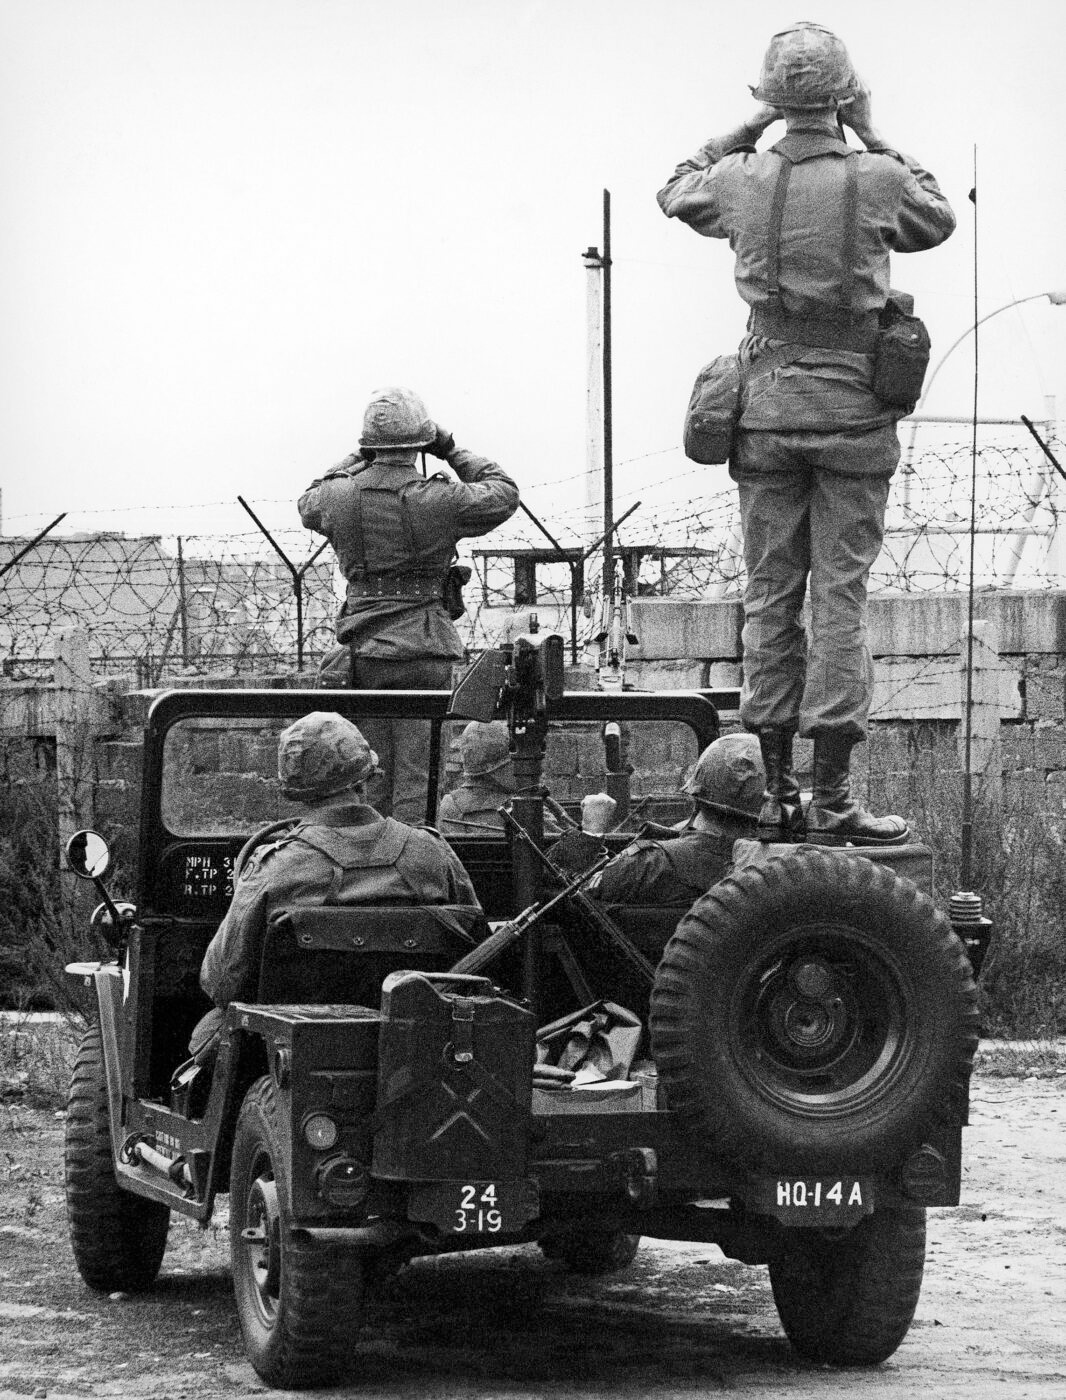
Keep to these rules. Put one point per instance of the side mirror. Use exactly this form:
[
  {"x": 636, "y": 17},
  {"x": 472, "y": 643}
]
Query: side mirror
[{"x": 88, "y": 855}]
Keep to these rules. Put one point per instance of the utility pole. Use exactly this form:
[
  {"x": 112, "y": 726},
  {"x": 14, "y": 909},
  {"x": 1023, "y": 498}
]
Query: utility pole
[
  {"x": 599, "y": 439},
  {"x": 608, "y": 415}
]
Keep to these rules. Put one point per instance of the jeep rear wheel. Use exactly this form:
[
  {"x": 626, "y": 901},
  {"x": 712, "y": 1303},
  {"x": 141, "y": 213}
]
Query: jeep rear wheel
[
  {"x": 587, "y": 1251},
  {"x": 814, "y": 1011},
  {"x": 118, "y": 1239},
  {"x": 300, "y": 1302},
  {"x": 850, "y": 1301}
]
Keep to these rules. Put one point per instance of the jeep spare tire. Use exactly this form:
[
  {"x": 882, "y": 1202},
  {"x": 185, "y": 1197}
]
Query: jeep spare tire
[{"x": 814, "y": 1010}]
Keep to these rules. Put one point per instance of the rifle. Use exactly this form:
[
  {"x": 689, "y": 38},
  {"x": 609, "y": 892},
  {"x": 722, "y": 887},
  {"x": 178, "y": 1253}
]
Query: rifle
[
  {"x": 587, "y": 908},
  {"x": 509, "y": 933}
]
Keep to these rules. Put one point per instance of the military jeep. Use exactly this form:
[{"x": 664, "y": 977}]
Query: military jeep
[{"x": 797, "y": 1097}]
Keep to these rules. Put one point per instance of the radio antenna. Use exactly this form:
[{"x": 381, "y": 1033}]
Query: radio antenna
[{"x": 966, "y": 907}]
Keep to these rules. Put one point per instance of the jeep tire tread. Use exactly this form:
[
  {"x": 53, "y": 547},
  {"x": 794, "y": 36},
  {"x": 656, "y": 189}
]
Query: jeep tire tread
[
  {"x": 814, "y": 1012},
  {"x": 300, "y": 1302},
  {"x": 850, "y": 1301},
  {"x": 118, "y": 1238},
  {"x": 586, "y": 1251}
]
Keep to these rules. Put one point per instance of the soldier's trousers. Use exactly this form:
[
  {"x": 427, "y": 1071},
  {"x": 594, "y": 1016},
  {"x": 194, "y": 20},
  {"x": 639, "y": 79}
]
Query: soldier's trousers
[
  {"x": 812, "y": 507},
  {"x": 402, "y": 745}
]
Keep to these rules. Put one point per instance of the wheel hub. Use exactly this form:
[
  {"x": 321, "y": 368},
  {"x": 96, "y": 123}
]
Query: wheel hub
[{"x": 262, "y": 1239}]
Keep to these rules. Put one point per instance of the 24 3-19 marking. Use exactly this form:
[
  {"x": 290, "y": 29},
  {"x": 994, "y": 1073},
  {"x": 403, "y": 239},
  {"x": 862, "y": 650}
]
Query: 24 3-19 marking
[{"x": 477, "y": 1212}]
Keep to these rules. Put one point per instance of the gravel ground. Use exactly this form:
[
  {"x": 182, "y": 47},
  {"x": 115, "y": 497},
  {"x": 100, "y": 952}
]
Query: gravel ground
[{"x": 682, "y": 1321}]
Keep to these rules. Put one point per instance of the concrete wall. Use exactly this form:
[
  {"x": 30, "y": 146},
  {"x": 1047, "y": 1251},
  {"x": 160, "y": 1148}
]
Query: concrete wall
[{"x": 914, "y": 752}]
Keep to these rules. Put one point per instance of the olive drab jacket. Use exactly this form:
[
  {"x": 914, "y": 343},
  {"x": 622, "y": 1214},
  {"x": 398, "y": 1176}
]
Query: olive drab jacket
[
  {"x": 340, "y": 855},
  {"x": 394, "y": 533},
  {"x": 671, "y": 872},
  {"x": 898, "y": 208}
]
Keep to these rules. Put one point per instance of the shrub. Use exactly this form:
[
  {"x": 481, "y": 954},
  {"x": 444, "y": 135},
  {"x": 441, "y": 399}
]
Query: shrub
[{"x": 37, "y": 935}]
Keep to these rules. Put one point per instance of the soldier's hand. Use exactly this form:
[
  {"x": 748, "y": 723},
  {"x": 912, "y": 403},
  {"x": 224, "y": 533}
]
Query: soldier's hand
[
  {"x": 856, "y": 113},
  {"x": 443, "y": 445},
  {"x": 764, "y": 116}
]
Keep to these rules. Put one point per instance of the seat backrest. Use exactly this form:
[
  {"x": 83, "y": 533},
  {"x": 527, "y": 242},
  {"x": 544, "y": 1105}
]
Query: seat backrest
[{"x": 343, "y": 953}]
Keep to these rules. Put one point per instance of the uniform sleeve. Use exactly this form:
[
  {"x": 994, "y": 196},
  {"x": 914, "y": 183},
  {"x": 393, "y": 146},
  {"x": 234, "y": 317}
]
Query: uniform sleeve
[
  {"x": 925, "y": 218},
  {"x": 231, "y": 963},
  {"x": 311, "y": 504},
  {"x": 623, "y": 880},
  {"x": 273, "y": 878},
  {"x": 691, "y": 193},
  {"x": 484, "y": 496},
  {"x": 462, "y": 890}
]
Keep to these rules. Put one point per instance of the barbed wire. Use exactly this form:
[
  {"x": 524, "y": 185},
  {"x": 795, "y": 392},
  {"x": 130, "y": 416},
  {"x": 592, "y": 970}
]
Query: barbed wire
[{"x": 160, "y": 605}]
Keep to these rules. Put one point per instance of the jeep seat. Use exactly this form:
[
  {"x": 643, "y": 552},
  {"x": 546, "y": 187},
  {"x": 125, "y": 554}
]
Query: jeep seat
[{"x": 343, "y": 953}]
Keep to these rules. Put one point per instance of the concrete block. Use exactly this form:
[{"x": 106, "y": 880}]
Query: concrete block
[
  {"x": 1045, "y": 694},
  {"x": 670, "y": 628},
  {"x": 1049, "y": 744},
  {"x": 667, "y": 675},
  {"x": 933, "y": 688},
  {"x": 930, "y": 624},
  {"x": 724, "y": 675}
]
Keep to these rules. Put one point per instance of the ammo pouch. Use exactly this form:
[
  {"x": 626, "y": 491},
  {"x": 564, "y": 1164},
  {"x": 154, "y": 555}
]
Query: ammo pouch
[
  {"x": 713, "y": 411},
  {"x": 717, "y": 402},
  {"x": 455, "y": 577},
  {"x": 901, "y": 356}
]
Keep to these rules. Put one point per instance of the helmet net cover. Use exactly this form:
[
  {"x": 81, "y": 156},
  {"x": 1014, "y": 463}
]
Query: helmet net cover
[
  {"x": 397, "y": 418},
  {"x": 729, "y": 776},
  {"x": 484, "y": 747},
  {"x": 323, "y": 754},
  {"x": 806, "y": 67}
]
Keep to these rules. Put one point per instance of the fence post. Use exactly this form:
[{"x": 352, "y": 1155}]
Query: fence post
[
  {"x": 986, "y": 752},
  {"x": 74, "y": 749}
]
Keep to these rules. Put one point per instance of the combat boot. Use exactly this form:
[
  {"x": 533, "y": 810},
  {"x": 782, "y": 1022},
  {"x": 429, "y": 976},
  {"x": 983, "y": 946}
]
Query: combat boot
[
  {"x": 834, "y": 817},
  {"x": 781, "y": 813}
]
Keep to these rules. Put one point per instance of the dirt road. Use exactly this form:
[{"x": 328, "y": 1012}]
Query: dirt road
[{"x": 680, "y": 1322}]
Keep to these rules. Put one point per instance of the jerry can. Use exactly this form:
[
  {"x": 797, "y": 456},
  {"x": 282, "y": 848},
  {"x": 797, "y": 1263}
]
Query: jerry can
[{"x": 455, "y": 1076}]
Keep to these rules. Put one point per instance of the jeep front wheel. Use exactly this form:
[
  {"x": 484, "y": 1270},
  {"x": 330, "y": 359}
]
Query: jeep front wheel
[
  {"x": 300, "y": 1302},
  {"x": 118, "y": 1239},
  {"x": 849, "y": 1301}
]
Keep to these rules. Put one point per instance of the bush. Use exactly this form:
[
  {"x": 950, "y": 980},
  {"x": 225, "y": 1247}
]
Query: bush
[
  {"x": 1018, "y": 865},
  {"x": 37, "y": 935}
]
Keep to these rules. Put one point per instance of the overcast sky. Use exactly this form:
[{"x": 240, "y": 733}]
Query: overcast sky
[{"x": 226, "y": 221}]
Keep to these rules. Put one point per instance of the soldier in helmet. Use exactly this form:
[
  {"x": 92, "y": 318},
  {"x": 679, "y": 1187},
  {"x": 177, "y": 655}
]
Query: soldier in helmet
[
  {"x": 473, "y": 808},
  {"x": 395, "y": 533},
  {"x": 726, "y": 787},
  {"x": 488, "y": 783},
  {"x": 341, "y": 852},
  {"x": 811, "y": 223}
]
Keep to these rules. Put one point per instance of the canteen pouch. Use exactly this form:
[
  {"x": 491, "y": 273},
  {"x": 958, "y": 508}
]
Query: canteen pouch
[
  {"x": 713, "y": 412},
  {"x": 901, "y": 356},
  {"x": 455, "y": 577}
]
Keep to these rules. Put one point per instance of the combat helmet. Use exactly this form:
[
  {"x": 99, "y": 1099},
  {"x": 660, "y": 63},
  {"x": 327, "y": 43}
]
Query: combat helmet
[
  {"x": 484, "y": 748},
  {"x": 806, "y": 67},
  {"x": 729, "y": 777},
  {"x": 396, "y": 418},
  {"x": 323, "y": 754}
]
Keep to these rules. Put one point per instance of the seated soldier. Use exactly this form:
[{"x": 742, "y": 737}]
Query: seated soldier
[
  {"x": 473, "y": 808},
  {"x": 726, "y": 786},
  {"x": 341, "y": 852}
]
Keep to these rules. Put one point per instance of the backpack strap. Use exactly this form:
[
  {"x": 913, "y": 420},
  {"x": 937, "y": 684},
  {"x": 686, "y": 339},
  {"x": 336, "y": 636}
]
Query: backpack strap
[{"x": 843, "y": 330}]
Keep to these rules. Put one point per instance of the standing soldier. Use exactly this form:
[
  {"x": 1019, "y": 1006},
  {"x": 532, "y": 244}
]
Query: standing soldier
[
  {"x": 812, "y": 223},
  {"x": 395, "y": 533}
]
